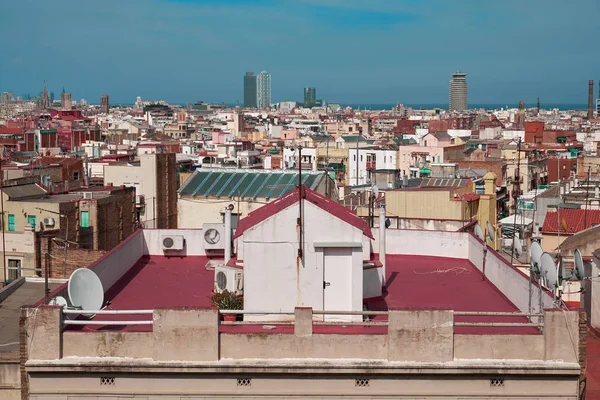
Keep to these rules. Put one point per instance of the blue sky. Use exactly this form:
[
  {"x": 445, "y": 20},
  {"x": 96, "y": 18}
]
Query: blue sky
[{"x": 352, "y": 51}]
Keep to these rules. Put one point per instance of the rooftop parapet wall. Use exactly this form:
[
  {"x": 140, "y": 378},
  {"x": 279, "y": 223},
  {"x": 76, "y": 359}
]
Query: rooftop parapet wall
[{"x": 193, "y": 335}]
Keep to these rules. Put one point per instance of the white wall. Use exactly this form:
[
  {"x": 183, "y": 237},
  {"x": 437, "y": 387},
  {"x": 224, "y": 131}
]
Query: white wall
[
  {"x": 512, "y": 283},
  {"x": 194, "y": 241},
  {"x": 425, "y": 243},
  {"x": 114, "y": 264},
  {"x": 274, "y": 277}
]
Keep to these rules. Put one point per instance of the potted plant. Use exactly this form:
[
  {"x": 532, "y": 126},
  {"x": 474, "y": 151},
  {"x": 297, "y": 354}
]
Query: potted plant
[{"x": 227, "y": 300}]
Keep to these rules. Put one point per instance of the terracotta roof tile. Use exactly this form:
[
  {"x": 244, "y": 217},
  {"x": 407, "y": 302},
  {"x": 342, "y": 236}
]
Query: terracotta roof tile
[{"x": 571, "y": 220}]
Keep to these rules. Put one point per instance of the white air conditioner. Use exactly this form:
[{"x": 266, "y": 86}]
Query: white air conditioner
[
  {"x": 214, "y": 236},
  {"x": 173, "y": 242},
  {"x": 48, "y": 221},
  {"x": 228, "y": 278},
  {"x": 88, "y": 195}
]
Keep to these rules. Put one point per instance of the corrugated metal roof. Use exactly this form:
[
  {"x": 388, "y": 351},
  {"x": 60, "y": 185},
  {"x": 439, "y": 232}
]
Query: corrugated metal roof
[
  {"x": 444, "y": 182},
  {"x": 247, "y": 183},
  {"x": 23, "y": 191}
]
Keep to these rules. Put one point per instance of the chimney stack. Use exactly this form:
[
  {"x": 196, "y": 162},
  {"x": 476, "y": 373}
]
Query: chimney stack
[{"x": 591, "y": 100}]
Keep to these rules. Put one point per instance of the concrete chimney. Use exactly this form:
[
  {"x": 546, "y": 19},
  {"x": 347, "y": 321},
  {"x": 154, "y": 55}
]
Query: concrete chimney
[
  {"x": 382, "y": 243},
  {"x": 591, "y": 100},
  {"x": 227, "y": 235}
]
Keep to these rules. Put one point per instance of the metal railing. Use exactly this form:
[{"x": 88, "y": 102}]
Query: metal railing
[
  {"x": 70, "y": 311},
  {"x": 499, "y": 314}
]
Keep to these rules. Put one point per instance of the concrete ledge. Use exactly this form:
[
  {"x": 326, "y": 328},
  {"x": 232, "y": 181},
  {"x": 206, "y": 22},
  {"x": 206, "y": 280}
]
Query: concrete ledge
[
  {"x": 186, "y": 334},
  {"x": 303, "y": 324},
  {"x": 561, "y": 335},
  {"x": 421, "y": 335},
  {"x": 11, "y": 288},
  {"x": 44, "y": 328}
]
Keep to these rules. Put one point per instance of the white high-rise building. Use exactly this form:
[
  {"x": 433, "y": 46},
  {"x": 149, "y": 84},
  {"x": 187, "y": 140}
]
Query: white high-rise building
[
  {"x": 263, "y": 91},
  {"x": 458, "y": 92}
]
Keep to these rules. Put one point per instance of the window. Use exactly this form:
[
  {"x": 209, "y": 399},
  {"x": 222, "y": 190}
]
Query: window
[
  {"x": 84, "y": 220},
  {"x": 425, "y": 143},
  {"x": 361, "y": 157},
  {"x": 76, "y": 175},
  {"x": 11, "y": 222},
  {"x": 14, "y": 269},
  {"x": 31, "y": 220}
]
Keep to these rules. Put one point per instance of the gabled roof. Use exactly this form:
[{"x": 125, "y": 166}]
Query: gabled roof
[
  {"x": 24, "y": 191},
  {"x": 572, "y": 220},
  {"x": 330, "y": 206}
]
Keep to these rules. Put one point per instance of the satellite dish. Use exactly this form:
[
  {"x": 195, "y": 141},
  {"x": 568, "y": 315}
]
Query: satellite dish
[
  {"x": 518, "y": 245},
  {"x": 58, "y": 301},
  {"x": 578, "y": 269},
  {"x": 548, "y": 270},
  {"x": 535, "y": 257},
  {"x": 478, "y": 231},
  {"x": 85, "y": 290},
  {"x": 490, "y": 231},
  {"x": 375, "y": 190}
]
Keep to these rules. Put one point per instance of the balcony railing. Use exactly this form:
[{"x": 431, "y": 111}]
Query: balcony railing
[{"x": 371, "y": 165}]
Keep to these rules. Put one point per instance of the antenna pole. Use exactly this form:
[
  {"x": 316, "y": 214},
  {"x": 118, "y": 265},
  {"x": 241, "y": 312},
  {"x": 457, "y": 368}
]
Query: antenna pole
[
  {"x": 484, "y": 253},
  {"x": 587, "y": 194},
  {"x": 516, "y": 193},
  {"x": 300, "y": 202},
  {"x": 357, "y": 140},
  {"x": 558, "y": 207}
]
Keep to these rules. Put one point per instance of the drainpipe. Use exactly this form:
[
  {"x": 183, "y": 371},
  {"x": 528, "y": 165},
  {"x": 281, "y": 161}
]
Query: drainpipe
[
  {"x": 227, "y": 235},
  {"x": 382, "y": 242}
]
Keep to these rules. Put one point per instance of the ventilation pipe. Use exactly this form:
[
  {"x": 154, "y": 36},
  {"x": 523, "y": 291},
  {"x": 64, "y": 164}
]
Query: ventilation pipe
[
  {"x": 382, "y": 243},
  {"x": 227, "y": 235}
]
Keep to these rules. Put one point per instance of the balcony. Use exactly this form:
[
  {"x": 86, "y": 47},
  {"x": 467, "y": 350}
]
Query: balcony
[{"x": 371, "y": 165}]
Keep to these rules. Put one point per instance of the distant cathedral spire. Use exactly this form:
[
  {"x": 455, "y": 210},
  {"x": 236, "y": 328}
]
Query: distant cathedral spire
[{"x": 45, "y": 100}]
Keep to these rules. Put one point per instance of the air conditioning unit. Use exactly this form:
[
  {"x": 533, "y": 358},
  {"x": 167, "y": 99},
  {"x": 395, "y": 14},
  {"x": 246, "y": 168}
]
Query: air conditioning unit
[
  {"x": 214, "y": 236},
  {"x": 172, "y": 243},
  {"x": 88, "y": 195},
  {"x": 228, "y": 278},
  {"x": 48, "y": 221}
]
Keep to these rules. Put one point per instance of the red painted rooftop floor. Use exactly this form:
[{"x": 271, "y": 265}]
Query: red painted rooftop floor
[{"x": 414, "y": 282}]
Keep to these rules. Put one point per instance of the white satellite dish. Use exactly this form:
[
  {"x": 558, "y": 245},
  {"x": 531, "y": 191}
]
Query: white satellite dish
[
  {"x": 375, "y": 190},
  {"x": 535, "y": 257},
  {"x": 490, "y": 231},
  {"x": 85, "y": 290},
  {"x": 518, "y": 246},
  {"x": 548, "y": 271},
  {"x": 478, "y": 231},
  {"x": 58, "y": 301},
  {"x": 578, "y": 270}
]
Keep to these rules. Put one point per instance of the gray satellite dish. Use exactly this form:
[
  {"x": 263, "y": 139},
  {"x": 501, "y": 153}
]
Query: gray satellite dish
[
  {"x": 478, "y": 231},
  {"x": 535, "y": 257},
  {"x": 85, "y": 290},
  {"x": 578, "y": 269},
  {"x": 375, "y": 190},
  {"x": 58, "y": 301},
  {"x": 490, "y": 231},
  {"x": 548, "y": 271}
]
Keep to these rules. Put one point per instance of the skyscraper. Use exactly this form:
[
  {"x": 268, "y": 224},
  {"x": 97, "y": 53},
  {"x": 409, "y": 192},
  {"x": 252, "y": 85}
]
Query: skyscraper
[
  {"x": 310, "y": 97},
  {"x": 458, "y": 92},
  {"x": 264, "y": 90},
  {"x": 104, "y": 104},
  {"x": 250, "y": 90}
]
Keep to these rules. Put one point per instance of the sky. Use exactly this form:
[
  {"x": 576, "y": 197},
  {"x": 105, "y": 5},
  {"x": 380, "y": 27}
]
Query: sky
[{"x": 352, "y": 51}]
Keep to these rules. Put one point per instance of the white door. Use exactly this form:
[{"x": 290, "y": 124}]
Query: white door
[{"x": 337, "y": 273}]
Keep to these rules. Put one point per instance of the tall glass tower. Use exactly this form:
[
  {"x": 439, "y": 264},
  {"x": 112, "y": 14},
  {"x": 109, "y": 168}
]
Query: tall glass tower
[
  {"x": 310, "y": 97},
  {"x": 250, "y": 90},
  {"x": 458, "y": 92},
  {"x": 264, "y": 90}
]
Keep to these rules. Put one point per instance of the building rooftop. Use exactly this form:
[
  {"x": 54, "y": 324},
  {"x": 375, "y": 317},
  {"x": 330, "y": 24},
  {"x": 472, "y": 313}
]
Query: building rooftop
[
  {"x": 414, "y": 282},
  {"x": 572, "y": 220},
  {"x": 25, "y": 294},
  {"x": 247, "y": 183}
]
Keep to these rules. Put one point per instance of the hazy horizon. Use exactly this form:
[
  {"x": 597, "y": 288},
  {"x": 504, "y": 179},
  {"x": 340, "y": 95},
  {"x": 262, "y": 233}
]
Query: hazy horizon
[{"x": 352, "y": 51}]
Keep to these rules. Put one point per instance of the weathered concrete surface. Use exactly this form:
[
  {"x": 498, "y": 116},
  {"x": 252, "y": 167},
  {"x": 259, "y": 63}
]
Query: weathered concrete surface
[
  {"x": 561, "y": 335},
  {"x": 186, "y": 334},
  {"x": 44, "y": 333},
  {"x": 503, "y": 347},
  {"x": 303, "y": 324},
  {"x": 108, "y": 344},
  {"x": 420, "y": 335},
  {"x": 278, "y": 346}
]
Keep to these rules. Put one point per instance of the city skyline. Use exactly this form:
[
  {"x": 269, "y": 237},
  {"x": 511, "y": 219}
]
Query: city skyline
[{"x": 503, "y": 67}]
